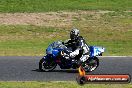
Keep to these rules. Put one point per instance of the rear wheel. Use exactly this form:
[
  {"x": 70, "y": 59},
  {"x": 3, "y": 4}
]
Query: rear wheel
[
  {"x": 45, "y": 65},
  {"x": 91, "y": 64}
]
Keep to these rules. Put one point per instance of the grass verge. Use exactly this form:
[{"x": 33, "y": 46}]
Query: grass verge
[
  {"x": 111, "y": 30},
  {"x": 59, "y": 5},
  {"x": 61, "y": 84}
]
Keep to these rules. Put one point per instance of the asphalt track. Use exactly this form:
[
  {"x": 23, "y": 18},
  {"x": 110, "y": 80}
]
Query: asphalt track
[{"x": 26, "y": 69}]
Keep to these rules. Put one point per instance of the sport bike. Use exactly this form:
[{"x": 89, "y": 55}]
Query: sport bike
[{"x": 56, "y": 55}]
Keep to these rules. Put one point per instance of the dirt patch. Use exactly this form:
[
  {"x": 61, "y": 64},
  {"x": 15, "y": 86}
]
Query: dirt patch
[{"x": 48, "y": 19}]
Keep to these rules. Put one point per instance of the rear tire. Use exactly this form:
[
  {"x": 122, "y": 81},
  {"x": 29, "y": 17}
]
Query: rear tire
[
  {"x": 46, "y": 66},
  {"x": 91, "y": 64}
]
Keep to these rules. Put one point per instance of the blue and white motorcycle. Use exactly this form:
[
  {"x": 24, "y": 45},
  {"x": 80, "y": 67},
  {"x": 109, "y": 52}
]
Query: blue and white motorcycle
[{"x": 55, "y": 55}]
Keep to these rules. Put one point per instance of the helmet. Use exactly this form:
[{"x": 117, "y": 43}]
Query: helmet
[{"x": 74, "y": 34}]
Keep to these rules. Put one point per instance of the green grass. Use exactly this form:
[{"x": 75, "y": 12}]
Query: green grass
[
  {"x": 111, "y": 30},
  {"x": 56, "y": 84},
  {"x": 25, "y": 40},
  {"x": 58, "y": 5}
]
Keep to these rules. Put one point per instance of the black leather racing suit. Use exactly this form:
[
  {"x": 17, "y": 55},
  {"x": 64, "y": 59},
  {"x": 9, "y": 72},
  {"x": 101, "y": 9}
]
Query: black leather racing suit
[{"x": 79, "y": 48}]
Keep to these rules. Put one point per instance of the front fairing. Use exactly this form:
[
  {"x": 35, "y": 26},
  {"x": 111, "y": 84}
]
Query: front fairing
[
  {"x": 49, "y": 50},
  {"x": 56, "y": 51}
]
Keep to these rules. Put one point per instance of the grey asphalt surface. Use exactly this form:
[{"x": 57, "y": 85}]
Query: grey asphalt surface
[{"x": 26, "y": 69}]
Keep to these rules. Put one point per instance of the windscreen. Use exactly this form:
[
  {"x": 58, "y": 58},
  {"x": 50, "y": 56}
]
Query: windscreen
[{"x": 57, "y": 44}]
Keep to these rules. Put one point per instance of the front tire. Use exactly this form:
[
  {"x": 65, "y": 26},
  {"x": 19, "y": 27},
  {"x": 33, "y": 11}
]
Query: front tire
[{"x": 47, "y": 66}]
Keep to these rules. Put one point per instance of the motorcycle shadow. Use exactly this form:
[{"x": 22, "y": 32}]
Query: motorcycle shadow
[{"x": 61, "y": 70}]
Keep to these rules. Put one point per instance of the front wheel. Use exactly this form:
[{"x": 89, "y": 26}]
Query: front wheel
[
  {"x": 46, "y": 66},
  {"x": 91, "y": 64}
]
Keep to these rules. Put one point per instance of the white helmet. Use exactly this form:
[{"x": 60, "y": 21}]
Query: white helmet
[{"x": 74, "y": 34}]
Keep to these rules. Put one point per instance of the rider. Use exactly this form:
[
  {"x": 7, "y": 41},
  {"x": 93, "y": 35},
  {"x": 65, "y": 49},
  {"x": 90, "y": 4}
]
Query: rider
[{"x": 77, "y": 45}]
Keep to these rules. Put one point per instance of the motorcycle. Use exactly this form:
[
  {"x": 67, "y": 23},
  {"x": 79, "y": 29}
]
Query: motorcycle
[{"x": 55, "y": 55}]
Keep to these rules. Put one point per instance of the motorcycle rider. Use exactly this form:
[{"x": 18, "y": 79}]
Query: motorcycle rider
[{"x": 80, "y": 49}]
